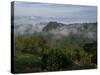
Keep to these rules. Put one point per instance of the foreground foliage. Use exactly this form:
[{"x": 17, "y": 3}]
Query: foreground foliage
[{"x": 42, "y": 53}]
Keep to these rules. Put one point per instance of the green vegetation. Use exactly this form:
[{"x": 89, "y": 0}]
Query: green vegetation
[
  {"x": 42, "y": 52},
  {"x": 39, "y": 53}
]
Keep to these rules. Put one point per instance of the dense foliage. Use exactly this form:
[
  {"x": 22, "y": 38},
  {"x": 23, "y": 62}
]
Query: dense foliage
[
  {"x": 37, "y": 53},
  {"x": 50, "y": 51}
]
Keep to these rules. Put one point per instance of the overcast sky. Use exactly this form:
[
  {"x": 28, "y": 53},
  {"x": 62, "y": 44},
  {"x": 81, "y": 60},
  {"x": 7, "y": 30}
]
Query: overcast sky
[{"x": 56, "y": 12}]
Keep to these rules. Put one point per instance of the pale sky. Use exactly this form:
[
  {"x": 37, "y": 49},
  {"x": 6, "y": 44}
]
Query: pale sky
[{"x": 56, "y": 12}]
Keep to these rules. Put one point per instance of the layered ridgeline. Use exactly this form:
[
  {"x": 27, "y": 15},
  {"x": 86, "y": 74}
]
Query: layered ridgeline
[
  {"x": 72, "y": 34},
  {"x": 87, "y": 30},
  {"x": 55, "y": 46}
]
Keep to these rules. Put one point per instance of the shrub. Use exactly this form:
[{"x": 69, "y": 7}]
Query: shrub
[
  {"x": 26, "y": 63},
  {"x": 91, "y": 49},
  {"x": 55, "y": 59}
]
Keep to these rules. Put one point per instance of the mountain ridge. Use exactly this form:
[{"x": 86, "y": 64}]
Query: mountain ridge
[{"x": 88, "y": 30}]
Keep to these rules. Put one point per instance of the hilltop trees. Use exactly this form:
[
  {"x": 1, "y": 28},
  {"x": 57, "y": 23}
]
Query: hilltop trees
[{"x": 42, "y": 52}]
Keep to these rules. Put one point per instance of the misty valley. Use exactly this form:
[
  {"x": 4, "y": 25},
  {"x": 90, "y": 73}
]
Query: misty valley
[{"x": 54, "y": 46}]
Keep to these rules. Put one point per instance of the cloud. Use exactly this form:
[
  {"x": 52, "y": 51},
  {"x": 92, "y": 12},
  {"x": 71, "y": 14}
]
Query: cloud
[{"x": 59, "y": 12}]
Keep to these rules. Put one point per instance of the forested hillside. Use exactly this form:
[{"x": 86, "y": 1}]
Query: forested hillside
[{"x": 55, "y": 47}]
